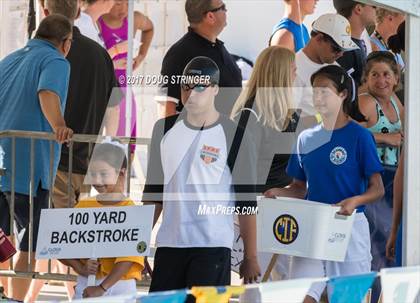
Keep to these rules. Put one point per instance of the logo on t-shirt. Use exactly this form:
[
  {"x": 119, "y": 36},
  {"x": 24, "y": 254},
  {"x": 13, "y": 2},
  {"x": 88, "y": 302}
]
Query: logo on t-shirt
[
  {"x": 338, "y": 155},
  {"x": 209, "y": 154},
  {"x": 285, "y": 229}
]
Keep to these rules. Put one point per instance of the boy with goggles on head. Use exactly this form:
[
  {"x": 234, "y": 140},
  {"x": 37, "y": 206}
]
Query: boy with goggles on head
[{"x": 199, "y": 160}]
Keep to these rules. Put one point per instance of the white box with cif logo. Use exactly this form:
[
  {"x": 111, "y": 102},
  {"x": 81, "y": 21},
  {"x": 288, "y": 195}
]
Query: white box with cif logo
[{"x": 303, "y": 228}]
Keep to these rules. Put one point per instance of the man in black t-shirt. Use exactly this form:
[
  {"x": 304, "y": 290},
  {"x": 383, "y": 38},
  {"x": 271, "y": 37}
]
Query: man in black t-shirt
[
  {"x": 92, "y": 101},
  {"x": 207, "y": 20},
  {"x": 360, "y": 16}
]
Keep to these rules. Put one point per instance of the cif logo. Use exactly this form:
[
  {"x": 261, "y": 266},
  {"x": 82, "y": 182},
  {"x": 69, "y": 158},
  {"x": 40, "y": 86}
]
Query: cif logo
[{"x": 286, "y": 229}]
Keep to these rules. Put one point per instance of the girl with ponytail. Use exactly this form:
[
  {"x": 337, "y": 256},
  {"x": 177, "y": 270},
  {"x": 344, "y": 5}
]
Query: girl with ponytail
[{"x": 335, "y": 163}]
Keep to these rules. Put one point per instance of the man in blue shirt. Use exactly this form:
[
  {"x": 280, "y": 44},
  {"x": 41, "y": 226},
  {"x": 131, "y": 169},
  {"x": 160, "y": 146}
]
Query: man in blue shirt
[{"x": 33, "y": 91}]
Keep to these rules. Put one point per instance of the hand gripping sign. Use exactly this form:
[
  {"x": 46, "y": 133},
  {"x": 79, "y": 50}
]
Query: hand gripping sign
[{"x": 95, "y": 232}]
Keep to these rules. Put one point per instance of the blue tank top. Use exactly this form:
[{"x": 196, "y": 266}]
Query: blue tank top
[{"x": 299, "y": 31}]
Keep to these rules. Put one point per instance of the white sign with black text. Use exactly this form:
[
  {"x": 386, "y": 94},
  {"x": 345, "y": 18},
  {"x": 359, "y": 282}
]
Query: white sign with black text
[{"x": 95, "y": 232}]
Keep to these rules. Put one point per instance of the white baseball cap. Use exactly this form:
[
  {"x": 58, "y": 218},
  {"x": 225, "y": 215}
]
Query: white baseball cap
[{"x": 338, "y": 28}]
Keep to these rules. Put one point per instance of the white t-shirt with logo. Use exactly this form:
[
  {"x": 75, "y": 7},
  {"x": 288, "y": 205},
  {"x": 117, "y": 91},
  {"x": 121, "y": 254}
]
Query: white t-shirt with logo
[{"x": 188, "y": 169}]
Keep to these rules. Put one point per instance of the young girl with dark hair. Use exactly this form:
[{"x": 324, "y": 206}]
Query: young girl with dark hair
[
  {"x": 335, "y": 163},
  {"x": 118, "y": 275}
]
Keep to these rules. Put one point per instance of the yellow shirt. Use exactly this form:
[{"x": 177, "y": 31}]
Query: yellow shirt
[
  {"x": 106, "y": 264},
  {"x": 216, "y": 294}
]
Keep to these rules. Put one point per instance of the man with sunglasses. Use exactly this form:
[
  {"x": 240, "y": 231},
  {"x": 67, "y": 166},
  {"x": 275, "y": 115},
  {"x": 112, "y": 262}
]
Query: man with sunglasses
[
  {"x": 207, "y": 20},
  {"x": 200, "y": 160},
  {"x": 330, "y": 38}
]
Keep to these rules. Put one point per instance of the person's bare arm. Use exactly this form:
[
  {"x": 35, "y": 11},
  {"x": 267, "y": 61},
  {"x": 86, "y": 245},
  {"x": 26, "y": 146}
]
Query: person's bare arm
[
  {"x": 158, "y": 210},
  {"x": 82, "y": 269},
  {"x": 2, "y": 236},
  {"x": 249, "y": 269},
  {"x": 117, "y": 272},
  {"x": 166, "y": 109},
  {"x": 398, "y": 195},
  {"x": 283, "y": 38},
  {"x": 400, "y": 108},
  {"x": 111, "y": 120},
  {"x": 367, "y": 107},
  {"x": 390, "y": 139},
  {"x": 396, "y": 209},
  {"x": 50, "y": 107},
  {"x": 296, "y": 189},
  {"x": 374, "y": 191},
  {"x": 118, "y": 48},
  {"x": 145, "y": 25}
]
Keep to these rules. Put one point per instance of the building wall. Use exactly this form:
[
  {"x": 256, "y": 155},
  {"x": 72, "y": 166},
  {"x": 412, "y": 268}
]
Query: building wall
[{"x": 12, "y": 25}]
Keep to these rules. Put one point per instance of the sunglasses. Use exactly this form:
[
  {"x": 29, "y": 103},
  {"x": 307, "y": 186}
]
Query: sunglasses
[
  {"x": 220, "y": 8},
  {"x": 334, "y": 46},
  {"x": 381, "y": 54},
  {"x": 199, "y": 88}
]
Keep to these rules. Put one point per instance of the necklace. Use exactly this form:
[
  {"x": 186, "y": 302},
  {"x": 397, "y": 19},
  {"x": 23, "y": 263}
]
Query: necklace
[{"x": 379, "y": 37}]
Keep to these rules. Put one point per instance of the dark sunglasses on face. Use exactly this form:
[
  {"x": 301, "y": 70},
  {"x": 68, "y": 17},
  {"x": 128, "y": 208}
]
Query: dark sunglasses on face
[
  {"x": 198, "y": 87},
  {"x": 220, "y": 8},
  {"x": 334, "y": 46},
  {"x": 381, "y": 54}
]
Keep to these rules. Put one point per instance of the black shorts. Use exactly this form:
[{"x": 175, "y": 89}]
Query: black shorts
[
  {"x": 22, "y": 215},
  {"x": 178, "y": 268}
]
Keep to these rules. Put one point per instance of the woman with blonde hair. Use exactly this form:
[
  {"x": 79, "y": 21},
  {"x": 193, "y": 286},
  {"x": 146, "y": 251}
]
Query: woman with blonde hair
[{"x": 265, "y": 110}]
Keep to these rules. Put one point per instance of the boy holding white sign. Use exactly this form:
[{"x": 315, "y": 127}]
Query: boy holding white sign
[
  {"x": 194, "y": 163},
  {"x": 335, "y": 163},
  {"x": 114, "y": 276}
]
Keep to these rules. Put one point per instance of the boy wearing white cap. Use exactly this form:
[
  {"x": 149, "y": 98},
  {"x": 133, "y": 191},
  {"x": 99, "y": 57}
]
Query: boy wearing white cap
[{"x": 330, "y": 38}]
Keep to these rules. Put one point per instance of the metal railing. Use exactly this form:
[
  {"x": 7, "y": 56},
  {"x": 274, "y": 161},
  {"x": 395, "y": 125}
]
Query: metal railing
[
  {"x": 33, "y": 137},
  {"x": 77, "y": 138}
]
